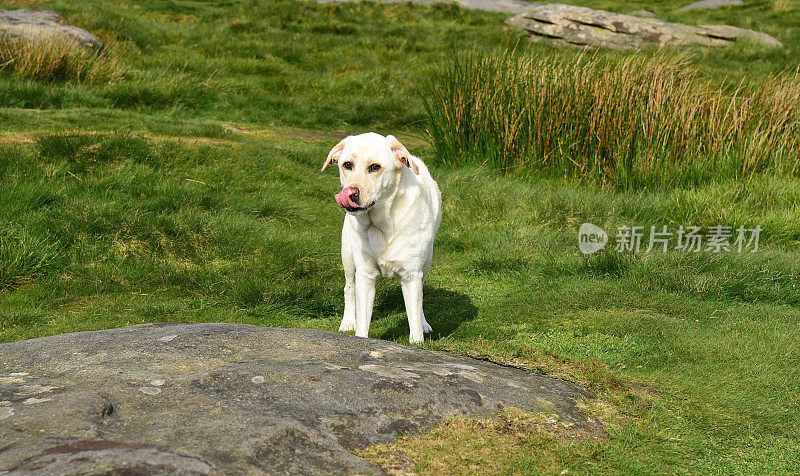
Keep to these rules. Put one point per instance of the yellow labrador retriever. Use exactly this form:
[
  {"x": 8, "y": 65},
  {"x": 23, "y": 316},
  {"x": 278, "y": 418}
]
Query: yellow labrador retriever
[{"x": 393, "y": 210}]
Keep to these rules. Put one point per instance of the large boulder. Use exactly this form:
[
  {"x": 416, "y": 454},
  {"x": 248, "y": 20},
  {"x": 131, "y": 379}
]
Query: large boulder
[
  {"x": 35, "y": 24},
  {"x": 567, "y": 25},
  {"x": 239, "y": 399}
]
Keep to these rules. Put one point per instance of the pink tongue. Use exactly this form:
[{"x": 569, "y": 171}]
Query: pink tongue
[{"x": 343, "y": 198}]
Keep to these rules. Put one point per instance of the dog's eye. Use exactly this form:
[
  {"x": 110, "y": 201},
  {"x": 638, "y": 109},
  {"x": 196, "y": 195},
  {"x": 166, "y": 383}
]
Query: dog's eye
[
  {"x": 374, "y": 167},
  {"x": 347, "y": 165}
]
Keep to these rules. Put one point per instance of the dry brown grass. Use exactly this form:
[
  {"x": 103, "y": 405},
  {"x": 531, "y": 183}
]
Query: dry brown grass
[
  {"x": 480, "y": 446},
  {"x": 781, "y": 5},
  {"x": 57, "y": 59},
  {"x": 22, "y": 3},
  {"x": 641, "y": 119}
]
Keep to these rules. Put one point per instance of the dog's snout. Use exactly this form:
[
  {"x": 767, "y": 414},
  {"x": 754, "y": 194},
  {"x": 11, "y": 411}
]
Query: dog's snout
[{"x": 355, "y": 194}]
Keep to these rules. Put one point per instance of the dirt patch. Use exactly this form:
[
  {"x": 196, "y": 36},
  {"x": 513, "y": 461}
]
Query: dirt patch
[
  {"x": 235, "y": 128},
  {"x": 200, "y": 140},
  {"x": 645, "y": 389},
  {"x": 27, "y": 138},
  {"x": 17, "y": 139},
  {"x": 337, "y": 135}
]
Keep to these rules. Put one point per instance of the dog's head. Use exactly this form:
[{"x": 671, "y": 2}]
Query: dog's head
[{"x": 370, "y": 168}]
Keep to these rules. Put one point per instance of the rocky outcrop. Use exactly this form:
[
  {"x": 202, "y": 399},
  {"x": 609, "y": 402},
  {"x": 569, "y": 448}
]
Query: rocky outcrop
[
  {"x": 35, "y": 24},
  {"x": 566, "y": 25},
  {"x": 239, "y": 399}
]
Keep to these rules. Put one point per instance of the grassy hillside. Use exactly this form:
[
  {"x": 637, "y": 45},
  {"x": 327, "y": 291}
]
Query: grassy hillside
[
  {"x": 133, "y": 199},
  {"x": 298, "y": 63}
]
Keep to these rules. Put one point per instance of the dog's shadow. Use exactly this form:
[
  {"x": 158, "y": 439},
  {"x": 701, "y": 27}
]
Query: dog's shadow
[{"x": 445, "y": 311}]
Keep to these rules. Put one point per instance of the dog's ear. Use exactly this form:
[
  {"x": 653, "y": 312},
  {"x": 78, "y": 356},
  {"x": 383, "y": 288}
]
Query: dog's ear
[
  {"x": 401, "y": 154},
  {"x": 333, "y": 155}
]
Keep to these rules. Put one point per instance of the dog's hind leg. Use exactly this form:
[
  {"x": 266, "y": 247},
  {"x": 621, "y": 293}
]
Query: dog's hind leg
[
  {"x": 412, "y": 295},
  {"x": 349, "y": 318},
  {"x": 426, "y": 328}
]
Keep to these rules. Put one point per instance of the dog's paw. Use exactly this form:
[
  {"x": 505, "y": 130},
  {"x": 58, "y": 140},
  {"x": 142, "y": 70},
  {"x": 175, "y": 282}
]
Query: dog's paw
[
  {"x": 347, "y": 326},
  {"x": 426, "y": 328},
  {"x": 412, "y": 339}
]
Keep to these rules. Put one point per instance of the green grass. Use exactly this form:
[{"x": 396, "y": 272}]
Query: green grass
[
  {"x": 129, "y": 201},
  {"x": 109, "y": 230}
]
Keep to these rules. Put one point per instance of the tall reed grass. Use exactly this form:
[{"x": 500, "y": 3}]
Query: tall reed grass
[
  {"x": 53, "y": 58},
  {"x": 635, "y": 121}
]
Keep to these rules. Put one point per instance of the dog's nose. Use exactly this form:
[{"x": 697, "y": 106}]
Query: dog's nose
[{"x": 355, "y": 194}]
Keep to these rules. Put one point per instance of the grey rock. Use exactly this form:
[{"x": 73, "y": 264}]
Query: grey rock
[
  {"x": 33, "y": 24},
  {"x": 710, "y": 4},
  {"x": 567, "y": 25},
  {"x": 239, "y": 399},
  {"x": 643, "y": 13},
  {"x": 505, "y": 6},
  {"x": 79, "y": 456}
]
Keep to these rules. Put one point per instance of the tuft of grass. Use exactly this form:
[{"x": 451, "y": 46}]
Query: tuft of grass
[
  {"x": 631, "y": 121},
  {"x": 23, "y": 257},
  {"x": 781, "y": 5},
  {"x": 54, "y": 58}
]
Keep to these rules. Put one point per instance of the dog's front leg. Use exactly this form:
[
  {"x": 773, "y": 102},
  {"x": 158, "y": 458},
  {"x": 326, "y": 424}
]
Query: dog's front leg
[
  {"x": 349, "y": 265},
  {"x": 412, "y": 295},
  {"x": 365, "y": 298}
]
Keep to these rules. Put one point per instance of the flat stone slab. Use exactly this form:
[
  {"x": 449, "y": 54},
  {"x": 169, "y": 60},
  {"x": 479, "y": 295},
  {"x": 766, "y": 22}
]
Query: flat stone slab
[
  {"x": 239, "y": 399},
  {"x": 35, "y": 24},
  {"x": 505, "y": 6},
  {"x": 567, "y": 25}
]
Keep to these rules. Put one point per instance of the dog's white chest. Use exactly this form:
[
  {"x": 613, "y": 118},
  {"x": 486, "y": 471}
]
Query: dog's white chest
[
  {"x": 389, "y": 269},
  {"x": 379, "y": 250}
]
